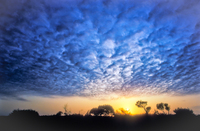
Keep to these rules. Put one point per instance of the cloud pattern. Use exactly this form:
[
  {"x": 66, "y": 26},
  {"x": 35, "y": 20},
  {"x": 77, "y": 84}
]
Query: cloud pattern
[{"x": 99, "y": 48}]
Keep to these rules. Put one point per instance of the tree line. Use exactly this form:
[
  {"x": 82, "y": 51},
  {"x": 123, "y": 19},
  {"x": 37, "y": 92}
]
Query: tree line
[
  {"x": 160, "y": 106},
  {"x": 108, "y": 110}
]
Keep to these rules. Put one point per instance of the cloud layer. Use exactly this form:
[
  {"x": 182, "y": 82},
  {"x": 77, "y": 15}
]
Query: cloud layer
[{"x": 99, "y": 48}]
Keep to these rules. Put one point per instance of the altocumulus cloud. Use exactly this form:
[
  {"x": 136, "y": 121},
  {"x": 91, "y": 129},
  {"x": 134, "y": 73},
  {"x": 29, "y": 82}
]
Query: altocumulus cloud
[{"x": 99, "y": 48}]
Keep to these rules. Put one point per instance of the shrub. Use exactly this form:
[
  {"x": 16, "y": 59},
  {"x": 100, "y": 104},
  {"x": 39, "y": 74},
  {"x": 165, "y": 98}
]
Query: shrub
[
  {"x": 24, "y": 113},
  {"x": 183, "y": 112}
]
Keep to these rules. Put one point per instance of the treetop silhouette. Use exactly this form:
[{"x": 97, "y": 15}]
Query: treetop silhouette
[
  {"x": 167, "y": 107},
  {"x": 102, "y": 110},
  {"x": 161, "y": 106},
  {"x": 143, "y": 104}
]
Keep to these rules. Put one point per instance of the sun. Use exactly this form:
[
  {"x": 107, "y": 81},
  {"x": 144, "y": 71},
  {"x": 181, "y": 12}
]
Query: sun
[{"x": 127, "y": 109}]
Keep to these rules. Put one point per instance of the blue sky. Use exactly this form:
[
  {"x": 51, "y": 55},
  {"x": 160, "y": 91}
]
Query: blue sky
[{"x": 102, "y": 49}]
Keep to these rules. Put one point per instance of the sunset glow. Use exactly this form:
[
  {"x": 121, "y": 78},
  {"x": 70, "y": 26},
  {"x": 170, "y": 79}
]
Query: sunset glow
[
  {"x": 52, "y": 105},
  {"x": 86, "y": 53}
]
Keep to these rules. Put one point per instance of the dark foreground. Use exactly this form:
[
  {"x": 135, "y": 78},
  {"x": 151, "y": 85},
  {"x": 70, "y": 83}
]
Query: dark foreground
[{"x": 88, "y": 123}]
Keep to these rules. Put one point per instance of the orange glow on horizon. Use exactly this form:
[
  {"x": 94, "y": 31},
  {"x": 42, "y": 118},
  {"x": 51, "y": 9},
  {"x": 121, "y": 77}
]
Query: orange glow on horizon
[{"x": 49, "y": 106}]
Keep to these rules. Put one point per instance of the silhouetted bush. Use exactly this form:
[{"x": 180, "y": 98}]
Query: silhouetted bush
[
  {"x": 59, "y": 113},
  {"x": 96, "y": 111},
  {"x": 183, "y": 112},
  {"x": 24, "y": 113},
  {"x": 102, "y": 110}
]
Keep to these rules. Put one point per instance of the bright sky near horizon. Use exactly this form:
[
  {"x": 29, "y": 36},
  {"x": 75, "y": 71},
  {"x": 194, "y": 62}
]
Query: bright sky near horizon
[
  {"x": 49, "y": 106},
  {"x": 83, "y": 51}
]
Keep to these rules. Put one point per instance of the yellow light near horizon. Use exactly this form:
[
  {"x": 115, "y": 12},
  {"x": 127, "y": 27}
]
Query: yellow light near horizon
[{"x": 48, "y": 106}]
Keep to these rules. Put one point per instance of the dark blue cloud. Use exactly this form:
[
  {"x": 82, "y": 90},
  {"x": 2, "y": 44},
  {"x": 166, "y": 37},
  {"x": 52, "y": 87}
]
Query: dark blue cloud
[{"x": 98, "y": 48}]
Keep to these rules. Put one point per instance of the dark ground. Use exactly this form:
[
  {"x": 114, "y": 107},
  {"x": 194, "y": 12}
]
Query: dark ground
[{"x": 87, "y": 123}]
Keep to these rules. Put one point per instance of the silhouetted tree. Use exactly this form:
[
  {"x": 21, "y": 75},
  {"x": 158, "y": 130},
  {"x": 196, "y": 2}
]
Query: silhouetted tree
[
  {"x": 148, "y": 109},
  {"x": 143, "y": 104},
  {"x": 24, "y": 113},
  {"x": 167, "y": 107},
  {"x": 102, "y": 109},
  {"x": 156, "y": 112},
  {"x": 183, "y": 112},
  {"x": 107, "y": 109},
  {"x": 96, "y": 111},
  {"x": 162, "y": 106},
  {"x": 67, "y": 112}
]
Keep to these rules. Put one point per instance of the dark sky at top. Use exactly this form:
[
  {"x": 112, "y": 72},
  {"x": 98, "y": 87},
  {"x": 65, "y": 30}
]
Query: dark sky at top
[{"x": 98, "y": 48}]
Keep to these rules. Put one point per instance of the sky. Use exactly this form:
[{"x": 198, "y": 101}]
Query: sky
[{"x": 100, "y": 51}]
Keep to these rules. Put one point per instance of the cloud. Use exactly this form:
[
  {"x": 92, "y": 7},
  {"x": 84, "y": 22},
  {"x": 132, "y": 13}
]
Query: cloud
[{"x": 87, "y": 48}]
